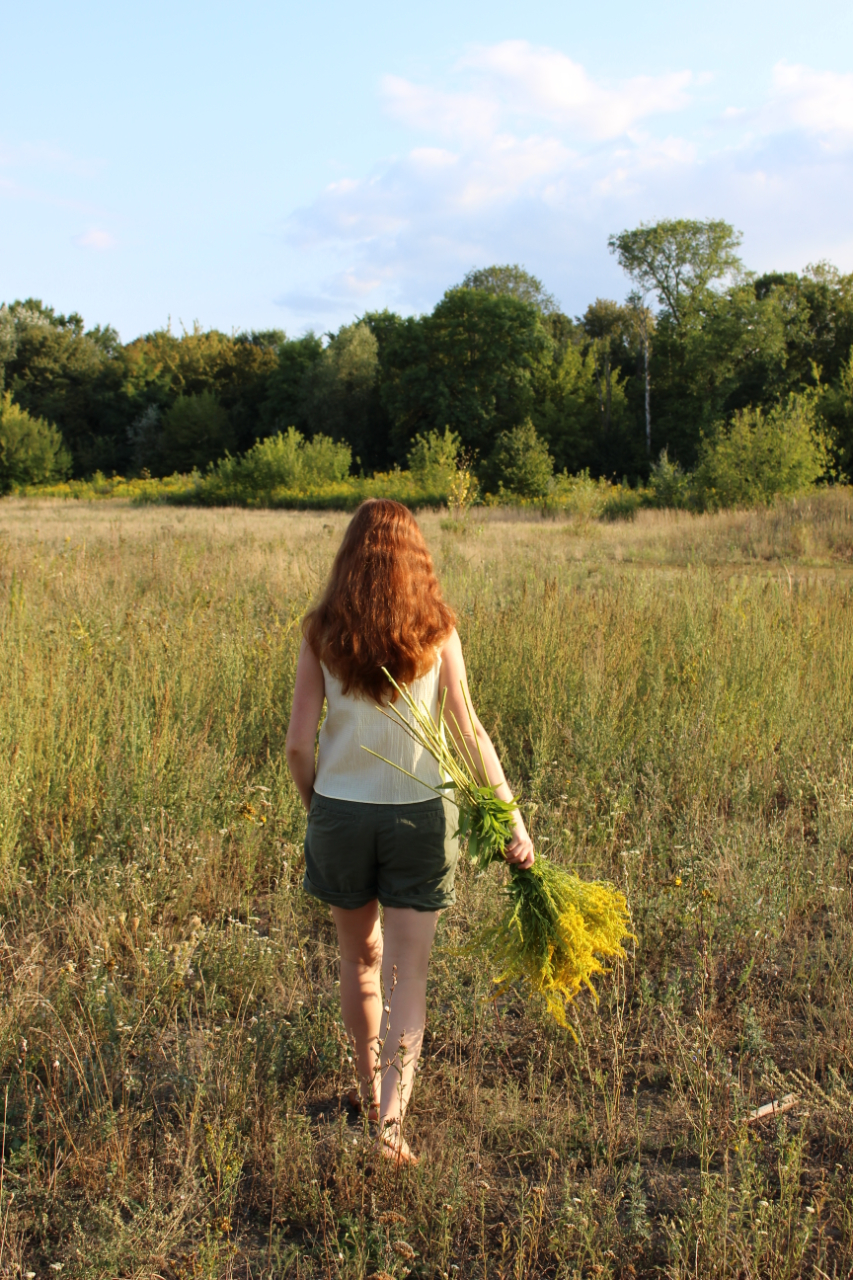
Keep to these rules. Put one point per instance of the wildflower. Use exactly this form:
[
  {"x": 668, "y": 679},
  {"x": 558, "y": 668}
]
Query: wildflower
[{"x": 556, "y": 928}]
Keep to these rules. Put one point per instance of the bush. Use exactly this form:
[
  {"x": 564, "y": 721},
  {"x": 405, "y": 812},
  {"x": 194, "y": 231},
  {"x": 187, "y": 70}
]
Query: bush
[
  {"x": 31, "y": 449},
  {"x": 284, "y": 461},
  {"x": 762, "y": 455},
  {"x": 579, "y": 495},
  {"x": 520, "y": 463},
  {"x": 433, "y": 461},
  {"x": 196, "y": 429},
  {"x": 670, "y": 486}
]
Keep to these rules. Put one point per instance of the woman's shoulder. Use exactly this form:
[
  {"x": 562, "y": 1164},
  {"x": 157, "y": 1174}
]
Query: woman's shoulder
[
  {"x": 450, "y": 658},
  {"x": 450, "y": 645}
]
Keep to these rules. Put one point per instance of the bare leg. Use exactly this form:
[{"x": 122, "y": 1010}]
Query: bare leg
[
  {"x": 408, "y": 942},
  {"x": 360, "y": 941}
]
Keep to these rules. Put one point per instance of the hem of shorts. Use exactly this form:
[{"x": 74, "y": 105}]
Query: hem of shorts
[
  {"x": 352, "y": 901},
  {"x": 349, "y": 901},
  {"x": 434, "y": 795},
  {"x": 420, "y": 905}
]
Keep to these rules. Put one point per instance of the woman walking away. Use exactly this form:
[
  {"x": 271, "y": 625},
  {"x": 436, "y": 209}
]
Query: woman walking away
[{"x": 375, "y": 836}]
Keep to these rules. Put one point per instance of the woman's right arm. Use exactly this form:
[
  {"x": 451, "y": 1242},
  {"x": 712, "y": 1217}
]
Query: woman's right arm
[
  {"x": 474, "y": 742},
  {"x": 308, "y": 694}
]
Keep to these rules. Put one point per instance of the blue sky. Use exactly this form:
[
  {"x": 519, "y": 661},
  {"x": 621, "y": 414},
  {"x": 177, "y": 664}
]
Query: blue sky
[{"x": 292, "y": 165}]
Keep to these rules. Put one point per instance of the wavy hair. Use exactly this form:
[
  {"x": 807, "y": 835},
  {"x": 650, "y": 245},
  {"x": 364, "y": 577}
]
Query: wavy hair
[{"x": 382, "y": 604}]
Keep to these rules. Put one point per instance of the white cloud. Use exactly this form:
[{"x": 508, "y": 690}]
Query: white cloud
[
  {"x": 540, "y": 161},
  {"x": 357, "y": 285},
  {"x": 544, "y": 82},
  {"x": 95, "y": 238},
  {"x": 818, "y": 102},
  {"x": 519, "y": 78},
  {"x": 424, "y": 108}
]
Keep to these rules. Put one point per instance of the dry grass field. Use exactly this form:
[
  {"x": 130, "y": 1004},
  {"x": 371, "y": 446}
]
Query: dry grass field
[{"x": 674, "y": 698}]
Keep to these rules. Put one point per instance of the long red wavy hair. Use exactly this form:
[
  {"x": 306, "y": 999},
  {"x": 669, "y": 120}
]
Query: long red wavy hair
[{"x": 382, "y": 605}]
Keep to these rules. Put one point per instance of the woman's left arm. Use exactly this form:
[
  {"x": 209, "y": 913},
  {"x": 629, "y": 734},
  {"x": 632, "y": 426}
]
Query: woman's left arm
[{"x": 308, "y": 694}]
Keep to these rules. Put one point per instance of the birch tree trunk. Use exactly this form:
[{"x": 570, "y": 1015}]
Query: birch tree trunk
[{"x": 648, "y": 387}]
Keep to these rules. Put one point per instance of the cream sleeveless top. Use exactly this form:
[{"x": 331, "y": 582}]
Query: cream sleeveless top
[{"x": 346, "y": 772}]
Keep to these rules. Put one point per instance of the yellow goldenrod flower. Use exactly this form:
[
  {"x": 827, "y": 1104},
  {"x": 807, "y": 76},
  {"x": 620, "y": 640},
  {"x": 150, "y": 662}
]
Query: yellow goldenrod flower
[{"x": 557, "y": 930}]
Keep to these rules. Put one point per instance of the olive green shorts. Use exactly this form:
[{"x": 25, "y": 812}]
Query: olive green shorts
[{"x": 403, "y": 854}]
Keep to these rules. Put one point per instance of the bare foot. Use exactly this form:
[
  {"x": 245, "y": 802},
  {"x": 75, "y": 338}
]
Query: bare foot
[
  {"x": 393, "y": 1146},
  {"x": 356, "y": 1102}
]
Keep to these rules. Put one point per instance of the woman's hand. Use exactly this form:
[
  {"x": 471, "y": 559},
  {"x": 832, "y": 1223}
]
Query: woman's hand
[{"x": 519, "y": 852}]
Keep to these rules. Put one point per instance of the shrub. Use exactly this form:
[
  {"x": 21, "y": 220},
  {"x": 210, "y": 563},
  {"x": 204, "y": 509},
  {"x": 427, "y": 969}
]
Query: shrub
[
  {"x": 433, "y": 460},
  {"x": 520, "y": 463},
  {"x": 579, "y": 495},
  {"x": 762, "y": 455},
  {"x": 670, "y": 485},
  {"x": 31, "y": 449},
  {"x": 285, "y": 460},
  {"x": 196, "y": 430},
  {"x": 325, "y": 461}
]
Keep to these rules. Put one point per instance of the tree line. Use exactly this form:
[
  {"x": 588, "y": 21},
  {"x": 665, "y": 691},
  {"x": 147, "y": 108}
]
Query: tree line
[{"x": 699, "y": 342}]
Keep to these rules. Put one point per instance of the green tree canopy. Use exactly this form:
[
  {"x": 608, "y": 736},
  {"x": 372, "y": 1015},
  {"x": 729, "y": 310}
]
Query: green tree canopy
[
  {"x": 341, "y": 393},
  {"x": 285, "y": 401},
  {"x": 512, "y": 282},
  {"x": 606, "y": 392},
  {"x": 235, "y": 370},
  {"x": 678, "y": 259},
  {"x": 72, "y": 377},
  {"x": 196, "y": 430},
  {"x": 469, "y": 366},
  {"x": 609, "y": 328}
]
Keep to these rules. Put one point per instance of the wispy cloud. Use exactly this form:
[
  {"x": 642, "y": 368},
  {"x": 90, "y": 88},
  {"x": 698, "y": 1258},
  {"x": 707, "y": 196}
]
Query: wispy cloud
[
  {"x": 43, "y": 174},
  {"x": 44, "y": 157},
  {"x": 95, "y": 238},
  {"x": 428, "y": 109},
  {"x": 528, "y": 157}
]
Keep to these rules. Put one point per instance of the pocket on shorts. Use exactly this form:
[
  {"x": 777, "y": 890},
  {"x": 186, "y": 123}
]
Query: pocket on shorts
[
  {"x": 340, "y": 856},
  {"x": 417, "y": 857}
]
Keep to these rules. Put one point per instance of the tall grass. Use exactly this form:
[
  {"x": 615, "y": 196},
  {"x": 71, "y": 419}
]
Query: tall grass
[{"x": 673, "y": 698}]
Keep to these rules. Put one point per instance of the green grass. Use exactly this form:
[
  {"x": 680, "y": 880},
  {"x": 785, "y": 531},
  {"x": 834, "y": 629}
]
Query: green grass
[
  {"x": 576, "y": 495},
  {"x": 674, "y": 697}
]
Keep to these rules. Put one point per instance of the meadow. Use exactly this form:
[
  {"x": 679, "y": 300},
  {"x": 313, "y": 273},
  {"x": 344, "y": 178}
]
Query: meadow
[{"x": 673, "y": 698}]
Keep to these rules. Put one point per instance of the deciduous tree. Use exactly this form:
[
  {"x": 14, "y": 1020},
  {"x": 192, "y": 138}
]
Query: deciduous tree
[
  {"x": 679, "y": 259},
  {"x": 471, "y": 365},
  {"x": 513, "y": 282}
]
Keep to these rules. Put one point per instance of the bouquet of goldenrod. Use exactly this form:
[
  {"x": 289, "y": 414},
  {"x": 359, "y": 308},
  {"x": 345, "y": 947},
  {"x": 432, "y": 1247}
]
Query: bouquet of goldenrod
[{"x": 556, "y": 929}]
